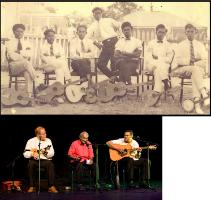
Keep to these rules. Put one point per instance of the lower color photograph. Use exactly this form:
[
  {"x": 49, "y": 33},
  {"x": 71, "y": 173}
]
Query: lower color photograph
[{"x": 81, "y": 157}]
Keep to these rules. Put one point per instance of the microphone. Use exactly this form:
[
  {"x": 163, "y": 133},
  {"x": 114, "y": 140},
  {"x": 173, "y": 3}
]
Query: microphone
[
  {"x": 88, "y": 143},
  {"x": 138, "y": 138}
]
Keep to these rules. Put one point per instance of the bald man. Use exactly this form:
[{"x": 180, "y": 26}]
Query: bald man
[{"x": 81, "y": 154}]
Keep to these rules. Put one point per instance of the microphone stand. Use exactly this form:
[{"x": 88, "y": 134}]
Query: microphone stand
[
  {"x": 39, "y": 166},
  {"x": 148, "y": 161}
]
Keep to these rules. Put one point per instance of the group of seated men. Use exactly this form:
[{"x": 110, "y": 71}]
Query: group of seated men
[
  {"x": 82, "y": 158},
  {"x": 123, "y": 53}
]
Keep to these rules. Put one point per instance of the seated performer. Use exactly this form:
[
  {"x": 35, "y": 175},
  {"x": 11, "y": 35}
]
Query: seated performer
[
  {"x": 53, "y": 59},
  {"x": 127, "y": 54},
  {"x": 192, "y": 60},
  {"x": 81, "y": 49},
  {"x": 19, "y": 53},
  {"x": 158, "y": 56},
  {"x": 81, "y": 154},
  {"x": 132, "y": 159},
  {"x": 46, "y": 153}
]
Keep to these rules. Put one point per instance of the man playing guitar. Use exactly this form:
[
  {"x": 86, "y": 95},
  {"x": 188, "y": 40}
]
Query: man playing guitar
[
  {"x": 46, "y": 153},
  {"x": 126, "y": 151}
]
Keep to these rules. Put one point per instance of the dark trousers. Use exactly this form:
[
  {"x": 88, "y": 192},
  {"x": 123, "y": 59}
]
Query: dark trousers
[
  {"x": 33, "y": 173},
  {"x": 80, "y": 170},
  {"x": 107, "y": 54},
  {"x": 127, "y": 163},
  {"x": 127, "y": 68},
  {"x": 142, "y": 163},
  {"x": 82, "y": 67}
]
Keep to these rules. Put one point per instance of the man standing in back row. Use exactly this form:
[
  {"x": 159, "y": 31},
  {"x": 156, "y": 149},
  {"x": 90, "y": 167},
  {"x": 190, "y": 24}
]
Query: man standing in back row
[{"x": 104, "y": 33}]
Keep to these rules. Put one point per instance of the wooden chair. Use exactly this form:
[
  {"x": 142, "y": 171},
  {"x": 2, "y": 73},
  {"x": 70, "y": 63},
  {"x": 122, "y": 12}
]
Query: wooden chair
[
  {"x": 184, "y": 81},
  {"x": 49, "y": 76},
  {"x": 16, "y": 79}
]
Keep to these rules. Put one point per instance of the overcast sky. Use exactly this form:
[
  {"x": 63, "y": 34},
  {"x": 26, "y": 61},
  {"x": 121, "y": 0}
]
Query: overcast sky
[{"x": 198, "y": 12}]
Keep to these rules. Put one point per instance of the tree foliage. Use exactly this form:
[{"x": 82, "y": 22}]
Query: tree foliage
[{"x": 119, "y": 9}]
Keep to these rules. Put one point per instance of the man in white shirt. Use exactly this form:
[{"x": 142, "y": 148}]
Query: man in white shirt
[
  {"x": 81, "y": 49},
  {"x": 158, "y": 56},
  {"x": 132, "y": 160},
  {"x": 191, "y": 60},
  {"x": 127, "y": 54},
  {"x": 31, "y": 152},
  {"x": 104, "y": 33},
  {"x": 19, "y": 54},
  {"x": 53, "y": 59}
]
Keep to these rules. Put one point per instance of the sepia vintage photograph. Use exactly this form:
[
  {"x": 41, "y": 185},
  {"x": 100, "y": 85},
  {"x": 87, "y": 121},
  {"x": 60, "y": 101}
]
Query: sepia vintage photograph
[{"x": 134, "y": 58}]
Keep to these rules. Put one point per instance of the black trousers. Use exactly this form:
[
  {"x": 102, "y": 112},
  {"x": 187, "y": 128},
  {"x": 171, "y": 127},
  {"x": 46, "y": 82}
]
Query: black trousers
[
  {"x": 80, "y": 170},
  {"x": 126, "y": 68},
  {"x": 127, "y": 163},
  {"x": 142, "y": 163},
  {"x": 33, "y": 172},
  {"x": 107, "y": 54},
  {"x": 82, "y": 67}
]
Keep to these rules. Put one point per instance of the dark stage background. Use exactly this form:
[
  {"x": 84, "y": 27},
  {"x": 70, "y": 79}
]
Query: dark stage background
[{"x": 63, "y": 129}]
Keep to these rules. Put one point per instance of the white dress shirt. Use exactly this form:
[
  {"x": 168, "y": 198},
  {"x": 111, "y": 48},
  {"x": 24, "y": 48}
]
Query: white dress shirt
[
  {"x": 162, "y": 50},
  {"x": 57, "y": 50},
  {"x": 134, "y": 144},
  {"x": 33, "y": 143},
  {"x": 75, "y": 46},
  {"x": 11, "y": 49},
  {"x": 103, "y": 29},
  {"x": 128, "y": 45},
  {"x": 183, "y": 52}
]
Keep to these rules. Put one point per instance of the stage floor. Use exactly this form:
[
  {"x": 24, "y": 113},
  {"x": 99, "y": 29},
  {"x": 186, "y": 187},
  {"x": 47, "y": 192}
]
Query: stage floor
[{"x": 141, "y": 194}]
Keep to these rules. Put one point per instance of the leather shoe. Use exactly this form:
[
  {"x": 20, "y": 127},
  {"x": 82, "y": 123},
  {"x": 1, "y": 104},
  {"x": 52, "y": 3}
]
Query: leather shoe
[
  {"x": 131, "y": 184},
  {"x": 53, "y": 189},
  {"x": 31, "y": 189}
]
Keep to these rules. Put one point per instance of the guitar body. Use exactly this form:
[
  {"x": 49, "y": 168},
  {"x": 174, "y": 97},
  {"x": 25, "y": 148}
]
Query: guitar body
[
  {"x": 52, "y": 91},
  {"x": 10, "y": 97},
  {"x": 74, "y": 93},
  {"x": 90, "y": 96},
  {"x": 107, "y": 91},
  {"x": 116, "y": 155}
]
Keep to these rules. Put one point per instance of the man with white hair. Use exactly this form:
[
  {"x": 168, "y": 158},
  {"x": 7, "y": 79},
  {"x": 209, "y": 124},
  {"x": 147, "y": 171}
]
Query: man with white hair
[{"x": 81, "y": 154}]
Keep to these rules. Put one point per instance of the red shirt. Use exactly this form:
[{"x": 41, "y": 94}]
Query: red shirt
[{"x": 78, "y": 149}]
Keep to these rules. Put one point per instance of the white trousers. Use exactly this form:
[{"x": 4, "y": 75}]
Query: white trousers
[
  {"x": 160, "y": 70},
  {"x": 59, "y": 66},
  {"x": 196, "y": 77}
]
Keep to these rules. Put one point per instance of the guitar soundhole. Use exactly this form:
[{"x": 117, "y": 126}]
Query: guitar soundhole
[
  {"x": 19, "y": 97},
  {"x": 55, "y": 89},
  {"x": 116, "y": 89}
]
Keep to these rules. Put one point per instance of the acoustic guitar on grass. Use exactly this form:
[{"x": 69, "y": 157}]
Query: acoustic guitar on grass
[
  {"x": 55, "y": 90},
  {"x": 11, "y": 97},
  {"x": 127, "y": 151}
]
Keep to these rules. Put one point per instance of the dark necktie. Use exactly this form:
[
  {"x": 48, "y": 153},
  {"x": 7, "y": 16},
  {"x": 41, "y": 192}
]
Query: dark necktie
[
  {"x": 51, "y": 50},
  {"x": 82, "y": 47},
  {"x": 19, "y": 47},
  {"x": 192, "y": 56}
]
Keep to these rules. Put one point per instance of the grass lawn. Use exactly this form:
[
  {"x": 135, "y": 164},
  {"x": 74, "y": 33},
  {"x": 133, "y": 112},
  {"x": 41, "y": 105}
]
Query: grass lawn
[{"x": 126, "y": 105}]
